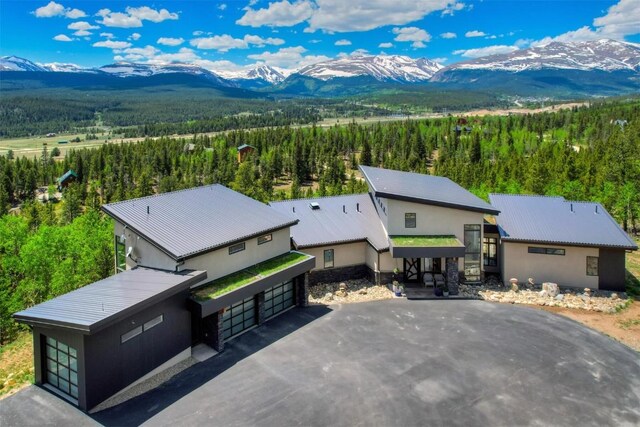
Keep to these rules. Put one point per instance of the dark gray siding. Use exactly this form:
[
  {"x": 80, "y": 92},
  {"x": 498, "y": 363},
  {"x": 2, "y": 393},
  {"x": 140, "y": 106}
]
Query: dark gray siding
[
  {"x": 611, "y": 269},
  {"x": 111, "y": 366}
]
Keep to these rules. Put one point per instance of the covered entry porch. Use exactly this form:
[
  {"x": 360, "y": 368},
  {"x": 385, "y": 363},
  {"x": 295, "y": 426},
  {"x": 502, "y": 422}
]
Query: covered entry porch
[{"x": 429, "y": 262}]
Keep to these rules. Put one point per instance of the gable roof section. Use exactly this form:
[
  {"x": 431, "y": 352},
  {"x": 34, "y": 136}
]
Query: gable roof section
[
  {"x": 331, "y": 225},
  {"x": 186, "y": 223},
  {"x": 426, "y": 189},
  {"x": 546, "y": 219},
  {"x": 102, "y": 303}
]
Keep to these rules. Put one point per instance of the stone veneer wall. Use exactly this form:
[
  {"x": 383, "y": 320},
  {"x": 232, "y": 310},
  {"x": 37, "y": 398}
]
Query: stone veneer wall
[{"x": 452, "y": 275}]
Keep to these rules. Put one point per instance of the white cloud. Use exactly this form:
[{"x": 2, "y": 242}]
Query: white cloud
[
  {"x": 412, "y": 34},
  {"x": 453, "y": 8},
  {"x": 222, "y": 6},
  {"x": 134, "y": 36},
  {"x": 147, "y": 51},
  {"x": 448, "y": 35},
  {"x": 440, "y": 60},
  {"x": 314, "y": 41},
  {"x": 226, "y": 42},
  {"x": 62, "y": 38},
  {"x": 344, "y": 16},
  {"x": 491, "y": 37},
  {"x": 197, "y": 33},
  {"x": 170, "y": 41},
  {"x": 81, "y": 33},
  {"x": 107, "y": 35},
  {"x": 343, "y": 42},
  {"x": 133, "y": 17},
  {"x": 289, "y": 57},
  {"x": 485, "y": 51},
  {"x": 185, "y": 55},
  {"x": 475, "y": 33},
  {"x": 385, "y": 45},
  {"x": 278, "y": 14},
  {"x": 110, "y": 44},
  {"x": 82, "y": 25},
  {"x": 53, "y": 9}
]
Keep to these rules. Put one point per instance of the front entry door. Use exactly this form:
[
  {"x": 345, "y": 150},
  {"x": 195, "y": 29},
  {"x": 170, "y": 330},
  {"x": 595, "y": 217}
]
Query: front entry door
[{"x": 411, "y": 270}]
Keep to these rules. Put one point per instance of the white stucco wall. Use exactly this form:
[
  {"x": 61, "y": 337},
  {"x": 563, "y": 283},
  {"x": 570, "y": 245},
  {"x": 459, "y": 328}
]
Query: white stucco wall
[
  {"x": 567, "y": 270},
  {"x": 217, "y": 263},
  {"x": 344, "y": 255}
]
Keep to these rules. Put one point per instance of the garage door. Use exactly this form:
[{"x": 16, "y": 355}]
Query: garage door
[
  {"x": 239, "y": 317},
  {"x": 278, "y": 299}
]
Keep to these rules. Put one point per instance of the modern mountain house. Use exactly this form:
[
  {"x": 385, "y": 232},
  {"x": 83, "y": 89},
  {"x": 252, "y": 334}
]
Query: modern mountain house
[{"x": 206, "y": 264}]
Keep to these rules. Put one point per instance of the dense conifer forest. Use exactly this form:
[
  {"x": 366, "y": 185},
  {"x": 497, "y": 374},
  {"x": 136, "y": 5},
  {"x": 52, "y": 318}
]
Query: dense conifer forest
[{"x": 587, "y": 153}]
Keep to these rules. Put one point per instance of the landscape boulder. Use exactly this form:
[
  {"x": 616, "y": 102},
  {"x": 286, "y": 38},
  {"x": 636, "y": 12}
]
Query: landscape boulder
[{"x": 551, "y": 288}]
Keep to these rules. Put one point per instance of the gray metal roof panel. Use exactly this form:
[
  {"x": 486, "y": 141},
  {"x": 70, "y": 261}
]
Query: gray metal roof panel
[
  {"x": 101, "y": 303},
  {"x": 331, "y": 225},
  {"x": 421, "y": 188},
  {"x": 550, "y": 219},
  {"x": 188, "y": 222}
]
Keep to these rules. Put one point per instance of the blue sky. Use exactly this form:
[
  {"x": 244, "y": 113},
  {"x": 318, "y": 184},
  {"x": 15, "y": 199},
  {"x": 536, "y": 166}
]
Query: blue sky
[{"x": 231, "y": 34}]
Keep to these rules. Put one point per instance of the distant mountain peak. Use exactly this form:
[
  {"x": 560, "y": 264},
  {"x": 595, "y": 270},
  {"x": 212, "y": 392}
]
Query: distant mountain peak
[{"x": 15, "y": 63}]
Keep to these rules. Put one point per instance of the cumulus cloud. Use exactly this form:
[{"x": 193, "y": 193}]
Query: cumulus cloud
[
  {"x": 475, "y": 33},
  {"x": 135, "y": 36},
  {"x": 53, "y": 9},
  {"x": 440, "y": 60},
  {"x": 82, "y": 25},
  {"x": 289, "y": 57},
  {"x": 453, "y": 8},
  {"x": 170, "y": 41},
  {"x": 277, "y": 14},
  {"x": 344, "y": 16},
  {"x": 110, "y": 44},
  {"x": 134, "y": 16},
  {"x": 222, "y": 6},
  {"x": 485, "y": 51},
  {"x": 343, "y": 42},
  {"x": 62, "y": 38},
  {"x": 385, "y": 45},
  {"x": 412, "y": 34},
  {"x": 448, "y": 35},
  {"x": 225, "y": 42},
  {"x": 107, "y": 35}
]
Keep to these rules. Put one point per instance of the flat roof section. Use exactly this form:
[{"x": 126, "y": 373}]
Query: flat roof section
[
  {"x": 426, "y": 189},
  {"x": 426, "y": 246},
  {"x": 102, "y": 303},
  {"x": 186, "y": 223}
]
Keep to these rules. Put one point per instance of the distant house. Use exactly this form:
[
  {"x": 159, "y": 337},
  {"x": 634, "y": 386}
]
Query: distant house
[
  {"x": 243, "y": 151},
  {"x": 51, "y": 134},
  {"x": 68, "y": 178}
]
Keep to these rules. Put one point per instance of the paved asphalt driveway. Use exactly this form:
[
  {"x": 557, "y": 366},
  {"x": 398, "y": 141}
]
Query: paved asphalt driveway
[{"x": 386, "y": 363}]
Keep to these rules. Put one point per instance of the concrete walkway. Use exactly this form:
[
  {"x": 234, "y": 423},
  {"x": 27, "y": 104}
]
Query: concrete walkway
[{"x": 394, "y": 362}]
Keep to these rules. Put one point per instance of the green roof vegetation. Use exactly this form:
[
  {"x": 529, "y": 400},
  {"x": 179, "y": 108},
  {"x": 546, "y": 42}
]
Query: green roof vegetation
[
  {"x": 248, "y": 275},
  {"x": 425, "y": 241}
]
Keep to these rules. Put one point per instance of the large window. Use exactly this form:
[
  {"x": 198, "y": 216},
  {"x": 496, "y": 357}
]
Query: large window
[
  {"x": 592, "y": 266},
  {"x": 278, "y": 299},
  {"x": 328, "y": 258},
  {"x": 490, "y": 251},
  {"x": 545, "y": 251},
  {"x": 62, "y": 367},
  {"x": 236, "y": 248},
  {"x": 121, "y": 255},
  {"x": 410, "y": 220},
  {"x": 472, "y": 252},
  {"x": 238, "y": 317}
]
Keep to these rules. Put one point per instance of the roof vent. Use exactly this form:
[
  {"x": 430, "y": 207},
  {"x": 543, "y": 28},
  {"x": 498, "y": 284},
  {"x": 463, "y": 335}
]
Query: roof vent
[
  {"x": 358, "y": 207},
  {"x": 294, "y": 209},
  {"x": 571, "y": 208},
  {"x": 314, "y": 206},
  {"x": 344, "y": 208},
  {"x": 148, "y": 212},
  {"x": 597, "y": 209}
]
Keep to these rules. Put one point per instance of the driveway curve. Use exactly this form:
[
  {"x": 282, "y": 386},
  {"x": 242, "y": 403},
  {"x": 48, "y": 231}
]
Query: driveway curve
[{"x": 400, "y": 362}]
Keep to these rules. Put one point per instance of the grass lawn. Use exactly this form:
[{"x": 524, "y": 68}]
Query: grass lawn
[
  {"x": 425, "y": 241},
  {"x": 248, "y": 275},
  {"x": 16, "y": 364}
]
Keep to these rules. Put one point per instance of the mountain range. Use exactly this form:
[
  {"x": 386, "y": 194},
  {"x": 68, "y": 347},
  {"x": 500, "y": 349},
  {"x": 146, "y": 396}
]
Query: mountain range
[{"x": 599, "y": 67}]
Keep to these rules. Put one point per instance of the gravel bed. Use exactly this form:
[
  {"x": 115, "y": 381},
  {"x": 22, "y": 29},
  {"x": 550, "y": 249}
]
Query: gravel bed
[{"x": 355, "y": 291}]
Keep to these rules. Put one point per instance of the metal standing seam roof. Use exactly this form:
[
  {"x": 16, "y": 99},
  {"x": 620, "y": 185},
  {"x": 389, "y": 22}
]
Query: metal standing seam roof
[
  {"x": 102, "y": 303},
  {"x": 421, "y": 188},
  {"x": 331, "y": 225},
  {"x": 547, "y": 219},
  {"x": 188, "y": 222}
]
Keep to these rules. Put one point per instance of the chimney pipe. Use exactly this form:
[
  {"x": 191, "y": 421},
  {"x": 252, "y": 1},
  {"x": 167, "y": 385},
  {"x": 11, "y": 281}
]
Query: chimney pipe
[
  {"x": 294, "y": 209},
  {"x": 597, "y": 209},
  {"x": 358, "y": 207},
  {"x": 344, "y": 208},
  {"x": 147, "y": 209},
  {"x": 571, "y": 207}
]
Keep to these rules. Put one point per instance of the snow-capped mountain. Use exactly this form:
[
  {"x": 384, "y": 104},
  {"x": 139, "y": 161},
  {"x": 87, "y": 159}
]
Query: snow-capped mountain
[
  {"x": 128, "y": 69},
  {"x": 59, "y": 67},
  {"x": 603, "y": 55},
  {"x": 264, "y": 74},
  {"x": 14, "y": 63},
  {"x": 383, "y": 68}
]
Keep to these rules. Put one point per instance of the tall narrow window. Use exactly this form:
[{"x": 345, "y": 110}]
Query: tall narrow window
[
  {"x": 592, "y": 266},
  {"x": 328, "y": 258},
  {"x": 121, "y": 255},
  {"x": 490, "y": 251},
  {"x": 410, "y": 220},
  {"x": 472, "y": 252}
]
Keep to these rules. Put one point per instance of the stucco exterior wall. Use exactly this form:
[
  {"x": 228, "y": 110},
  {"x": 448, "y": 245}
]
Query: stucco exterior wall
[
  {"x": 567, "y": 270},
  {"x": 217, "y": 263},
  {"x": 344, "y": 255}
]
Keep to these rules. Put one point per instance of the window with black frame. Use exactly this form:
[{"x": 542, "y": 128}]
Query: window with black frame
[
  {"x": 61, "y": 367},
  {"x": 410, "y": 220},
  {"x": 490, "y": 251},
  {"x": 121, "y": 255},
  {"x": 472, "y": 252},
  {"x": 239, "y": 317}
]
